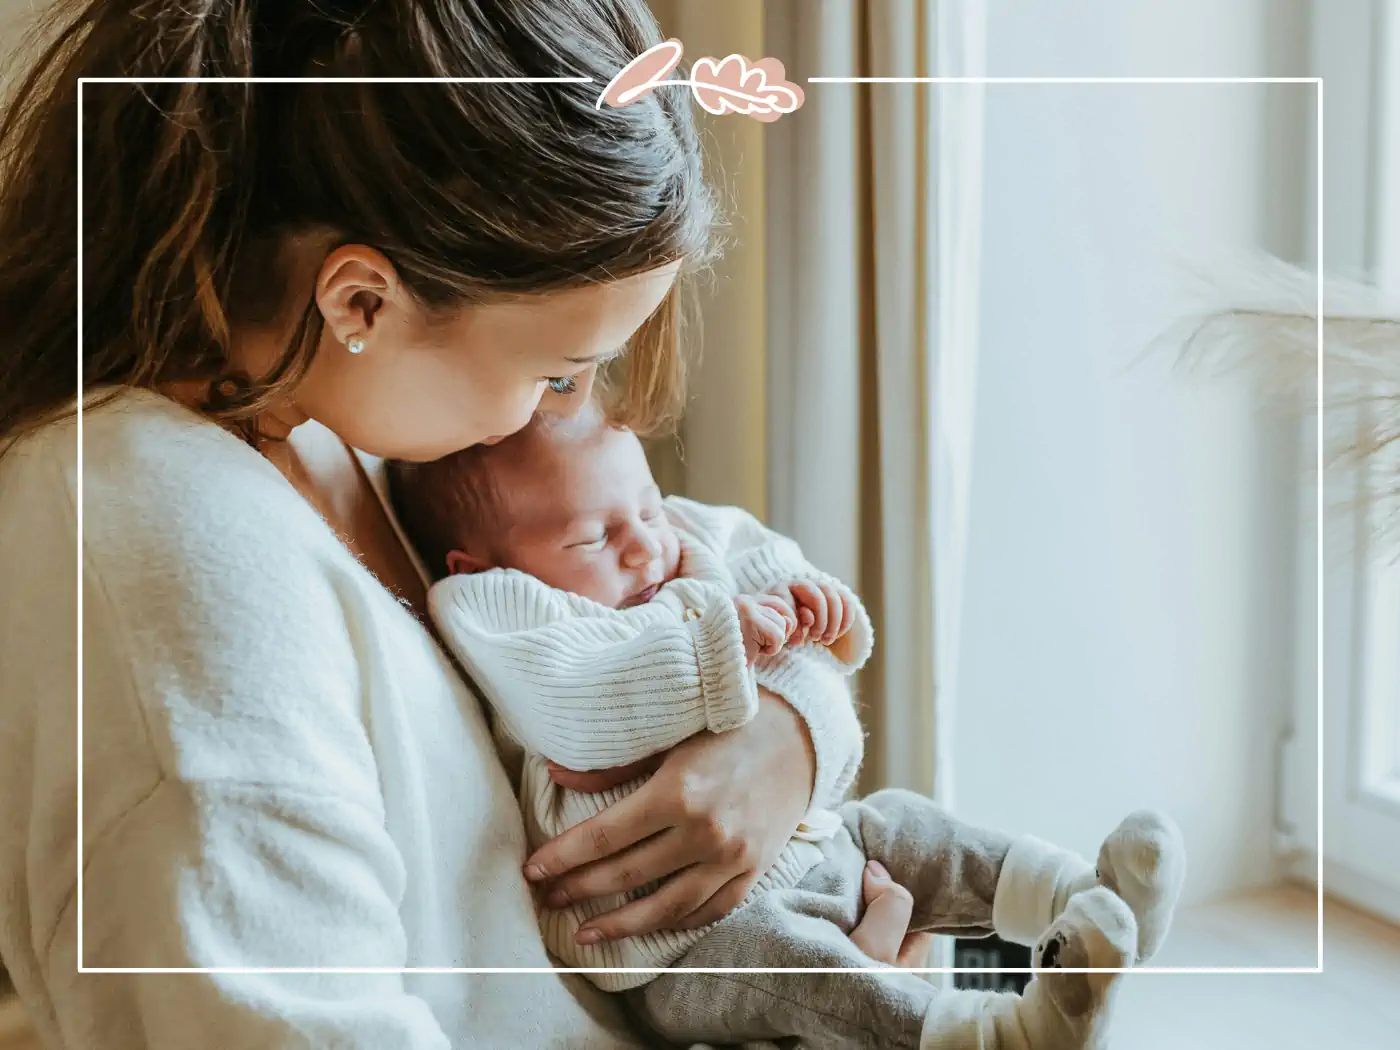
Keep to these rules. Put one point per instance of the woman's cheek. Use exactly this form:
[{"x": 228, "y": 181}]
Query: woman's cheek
[{"x": 518, "y": 409}]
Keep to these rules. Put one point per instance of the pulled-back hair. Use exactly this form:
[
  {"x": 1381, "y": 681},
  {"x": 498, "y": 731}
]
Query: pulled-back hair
[{"x": 191, "y": 190}]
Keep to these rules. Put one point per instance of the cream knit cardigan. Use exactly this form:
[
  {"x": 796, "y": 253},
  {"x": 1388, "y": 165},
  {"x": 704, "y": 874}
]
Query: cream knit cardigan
[
  {"x": 281, "y": 769},
  {"x": 591, "y": 687}
]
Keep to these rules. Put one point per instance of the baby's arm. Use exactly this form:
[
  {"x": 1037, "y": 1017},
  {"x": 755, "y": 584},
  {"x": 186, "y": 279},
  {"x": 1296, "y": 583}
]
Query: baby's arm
[
  {"x": 813, "y": 679},
  {"x": 590, "y": 687}
]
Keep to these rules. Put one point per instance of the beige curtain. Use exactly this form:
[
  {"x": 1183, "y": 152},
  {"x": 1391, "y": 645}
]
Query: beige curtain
[{"x": 837, "y": 383}]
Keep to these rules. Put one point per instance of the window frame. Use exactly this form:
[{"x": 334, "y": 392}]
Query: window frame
[{"x": 1358, "y": 784}]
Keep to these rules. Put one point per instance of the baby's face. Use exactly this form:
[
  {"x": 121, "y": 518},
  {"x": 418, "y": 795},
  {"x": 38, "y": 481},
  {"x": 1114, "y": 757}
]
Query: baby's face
[{"x": 586, "y": 517}]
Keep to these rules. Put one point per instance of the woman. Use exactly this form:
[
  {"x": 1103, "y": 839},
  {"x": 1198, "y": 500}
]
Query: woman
[{"x": 280, "y": 284}]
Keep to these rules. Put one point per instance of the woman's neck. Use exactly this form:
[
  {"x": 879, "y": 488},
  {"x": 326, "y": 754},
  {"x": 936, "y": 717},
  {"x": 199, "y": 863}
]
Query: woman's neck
[{"x": 273, "y": 425}]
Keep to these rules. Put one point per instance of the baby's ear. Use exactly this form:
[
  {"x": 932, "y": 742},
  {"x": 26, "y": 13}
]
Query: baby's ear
[{"x": 461, "y": 562}]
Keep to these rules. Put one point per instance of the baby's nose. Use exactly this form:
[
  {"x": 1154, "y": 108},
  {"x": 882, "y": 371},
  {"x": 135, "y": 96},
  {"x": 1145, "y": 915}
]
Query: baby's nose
[{"x": 642, "y": 549}]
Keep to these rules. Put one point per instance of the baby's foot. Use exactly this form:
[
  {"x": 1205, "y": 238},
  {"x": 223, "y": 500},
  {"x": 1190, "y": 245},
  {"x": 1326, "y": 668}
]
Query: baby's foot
[
  {"x": 1071, "y": 1010},
  {"x": 1144, "y": 862},
  {"x": 1058, "y": 1010}
]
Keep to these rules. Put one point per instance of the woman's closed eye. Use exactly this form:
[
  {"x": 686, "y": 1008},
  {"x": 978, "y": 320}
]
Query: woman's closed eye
[{"x": 562, "y": 385}]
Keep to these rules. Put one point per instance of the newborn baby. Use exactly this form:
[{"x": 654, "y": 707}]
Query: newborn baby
[{"x": 605, "y": 624}]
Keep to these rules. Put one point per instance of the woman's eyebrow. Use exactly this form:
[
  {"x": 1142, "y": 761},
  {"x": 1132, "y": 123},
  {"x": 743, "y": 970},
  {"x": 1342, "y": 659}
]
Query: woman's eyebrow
[{"x": 596, "y": 359}]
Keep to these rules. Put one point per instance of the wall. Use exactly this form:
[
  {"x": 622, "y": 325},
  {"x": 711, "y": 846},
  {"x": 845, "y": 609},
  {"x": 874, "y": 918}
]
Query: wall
[
  {"x": 1130, "y": 594},
  {"x": 1129, "y": 598},
  {"x": 1129, "y": 588}
]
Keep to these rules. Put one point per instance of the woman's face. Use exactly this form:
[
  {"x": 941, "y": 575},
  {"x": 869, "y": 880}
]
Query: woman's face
[{"x": 425, "y": 385}]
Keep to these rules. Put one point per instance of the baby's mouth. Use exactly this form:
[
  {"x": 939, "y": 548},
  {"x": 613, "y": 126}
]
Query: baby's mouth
[{"x": 642, "y": 597}]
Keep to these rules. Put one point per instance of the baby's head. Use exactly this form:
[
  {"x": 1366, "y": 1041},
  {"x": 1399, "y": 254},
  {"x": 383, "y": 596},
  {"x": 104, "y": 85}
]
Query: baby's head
[{"x": 571, "y": 501}]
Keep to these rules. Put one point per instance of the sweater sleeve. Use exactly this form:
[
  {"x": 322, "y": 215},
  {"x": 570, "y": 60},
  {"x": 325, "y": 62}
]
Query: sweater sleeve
[
  {"x": 591, "y": 687},
  {"x": 813, "y": 680},
  {"x": 233, "y": 815},
  {"x": 817, "y": 686}
]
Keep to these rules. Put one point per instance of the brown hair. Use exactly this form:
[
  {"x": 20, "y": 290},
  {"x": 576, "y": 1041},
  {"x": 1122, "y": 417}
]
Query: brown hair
[
  {"x": 454, "y": 503},
  {"x": 473, "y": 191}
]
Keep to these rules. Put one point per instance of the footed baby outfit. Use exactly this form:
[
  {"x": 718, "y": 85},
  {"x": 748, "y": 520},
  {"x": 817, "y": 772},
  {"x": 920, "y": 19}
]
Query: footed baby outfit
[{"x": 591, "y": 687}]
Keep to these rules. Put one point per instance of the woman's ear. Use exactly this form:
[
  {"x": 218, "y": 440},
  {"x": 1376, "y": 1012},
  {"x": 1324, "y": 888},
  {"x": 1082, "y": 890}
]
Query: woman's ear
[
  {"x": 459, "y": 562},
  {"x": 353, "y": 288}
]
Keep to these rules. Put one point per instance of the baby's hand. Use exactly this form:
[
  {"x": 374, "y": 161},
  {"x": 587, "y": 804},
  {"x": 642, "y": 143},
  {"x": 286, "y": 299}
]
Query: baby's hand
[
  {"x": 825, "y": 611},
  {"x": 766, "y": 621}
]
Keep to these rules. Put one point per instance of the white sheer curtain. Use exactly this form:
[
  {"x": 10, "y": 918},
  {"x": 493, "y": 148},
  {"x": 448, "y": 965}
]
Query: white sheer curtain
[
  {"x": 873, "y": 259},
  {"x": 837, "y": 384}
]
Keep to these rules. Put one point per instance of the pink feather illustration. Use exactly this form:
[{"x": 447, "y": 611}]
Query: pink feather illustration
[
  {"x": 760, "y": 90},
  {"x": 732, "y": 85},
  {"x": 642, "y": 74}
]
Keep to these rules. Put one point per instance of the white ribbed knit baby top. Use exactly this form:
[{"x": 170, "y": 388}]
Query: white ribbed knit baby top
[{"x": 591, "y": 687}]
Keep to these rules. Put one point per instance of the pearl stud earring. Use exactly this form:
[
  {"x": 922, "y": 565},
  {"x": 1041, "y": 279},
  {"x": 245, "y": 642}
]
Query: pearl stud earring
[{"x": 356, "y": 346}]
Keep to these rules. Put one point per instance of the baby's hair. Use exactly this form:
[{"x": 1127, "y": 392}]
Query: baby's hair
[{"x": 455, "y": 503}]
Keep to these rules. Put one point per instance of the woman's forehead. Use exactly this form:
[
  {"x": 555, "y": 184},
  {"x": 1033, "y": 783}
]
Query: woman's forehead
[{"x": 574, "y": 326}]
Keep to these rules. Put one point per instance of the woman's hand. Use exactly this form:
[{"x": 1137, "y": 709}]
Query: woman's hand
[
  {"x": 883, "y": 932},
  {"x": 711, "y": 820}
]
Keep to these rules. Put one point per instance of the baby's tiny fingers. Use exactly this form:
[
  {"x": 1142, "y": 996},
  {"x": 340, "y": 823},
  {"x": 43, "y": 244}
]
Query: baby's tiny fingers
[
  {"x": 784, "y": 609},
  {"x": 835, "y": 611},
  {"x": 848, "y": 615},
  {"x": 815, "y": 601},
  {"x": 774, "y": 632}
]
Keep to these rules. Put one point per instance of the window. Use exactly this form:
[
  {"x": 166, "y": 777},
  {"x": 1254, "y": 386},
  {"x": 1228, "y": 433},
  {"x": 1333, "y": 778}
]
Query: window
[{"x": 1360, "y": 599}]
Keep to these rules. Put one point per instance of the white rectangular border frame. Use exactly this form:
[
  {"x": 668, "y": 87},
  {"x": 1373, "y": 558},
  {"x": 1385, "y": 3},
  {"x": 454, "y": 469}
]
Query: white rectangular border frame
[{"x": 83, "y": 81}]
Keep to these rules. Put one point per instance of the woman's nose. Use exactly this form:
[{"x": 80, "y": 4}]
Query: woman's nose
[{"x": 523, "y": 412}]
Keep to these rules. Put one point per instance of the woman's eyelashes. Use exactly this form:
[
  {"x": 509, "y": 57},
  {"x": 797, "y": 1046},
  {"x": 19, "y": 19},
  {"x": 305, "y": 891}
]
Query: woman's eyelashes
[{"x": 562, "y": 385}]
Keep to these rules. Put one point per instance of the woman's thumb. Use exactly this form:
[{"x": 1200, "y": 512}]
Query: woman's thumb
[{"x": 888, "y": 908}]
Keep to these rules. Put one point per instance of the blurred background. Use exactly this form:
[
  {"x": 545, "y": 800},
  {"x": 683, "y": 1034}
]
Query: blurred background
[
  {"x": 928, "y": 354},
  {"x": 925, "y": 355}
]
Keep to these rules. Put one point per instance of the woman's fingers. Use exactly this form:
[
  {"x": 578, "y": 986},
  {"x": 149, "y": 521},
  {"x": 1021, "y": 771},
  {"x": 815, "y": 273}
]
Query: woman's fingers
[
  {"x": 648, "y": 861},
  {"x": 726, "y": 899},
  {"x": 913, "y": 954},
  {"x": 617, "y": 827},
  {"x": 665, "y": 909},
  {"x": 888, "y": 908}
]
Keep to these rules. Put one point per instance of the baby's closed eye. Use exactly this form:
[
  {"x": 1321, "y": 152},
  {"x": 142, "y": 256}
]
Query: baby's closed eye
[{"x": 589, "y": 543}]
